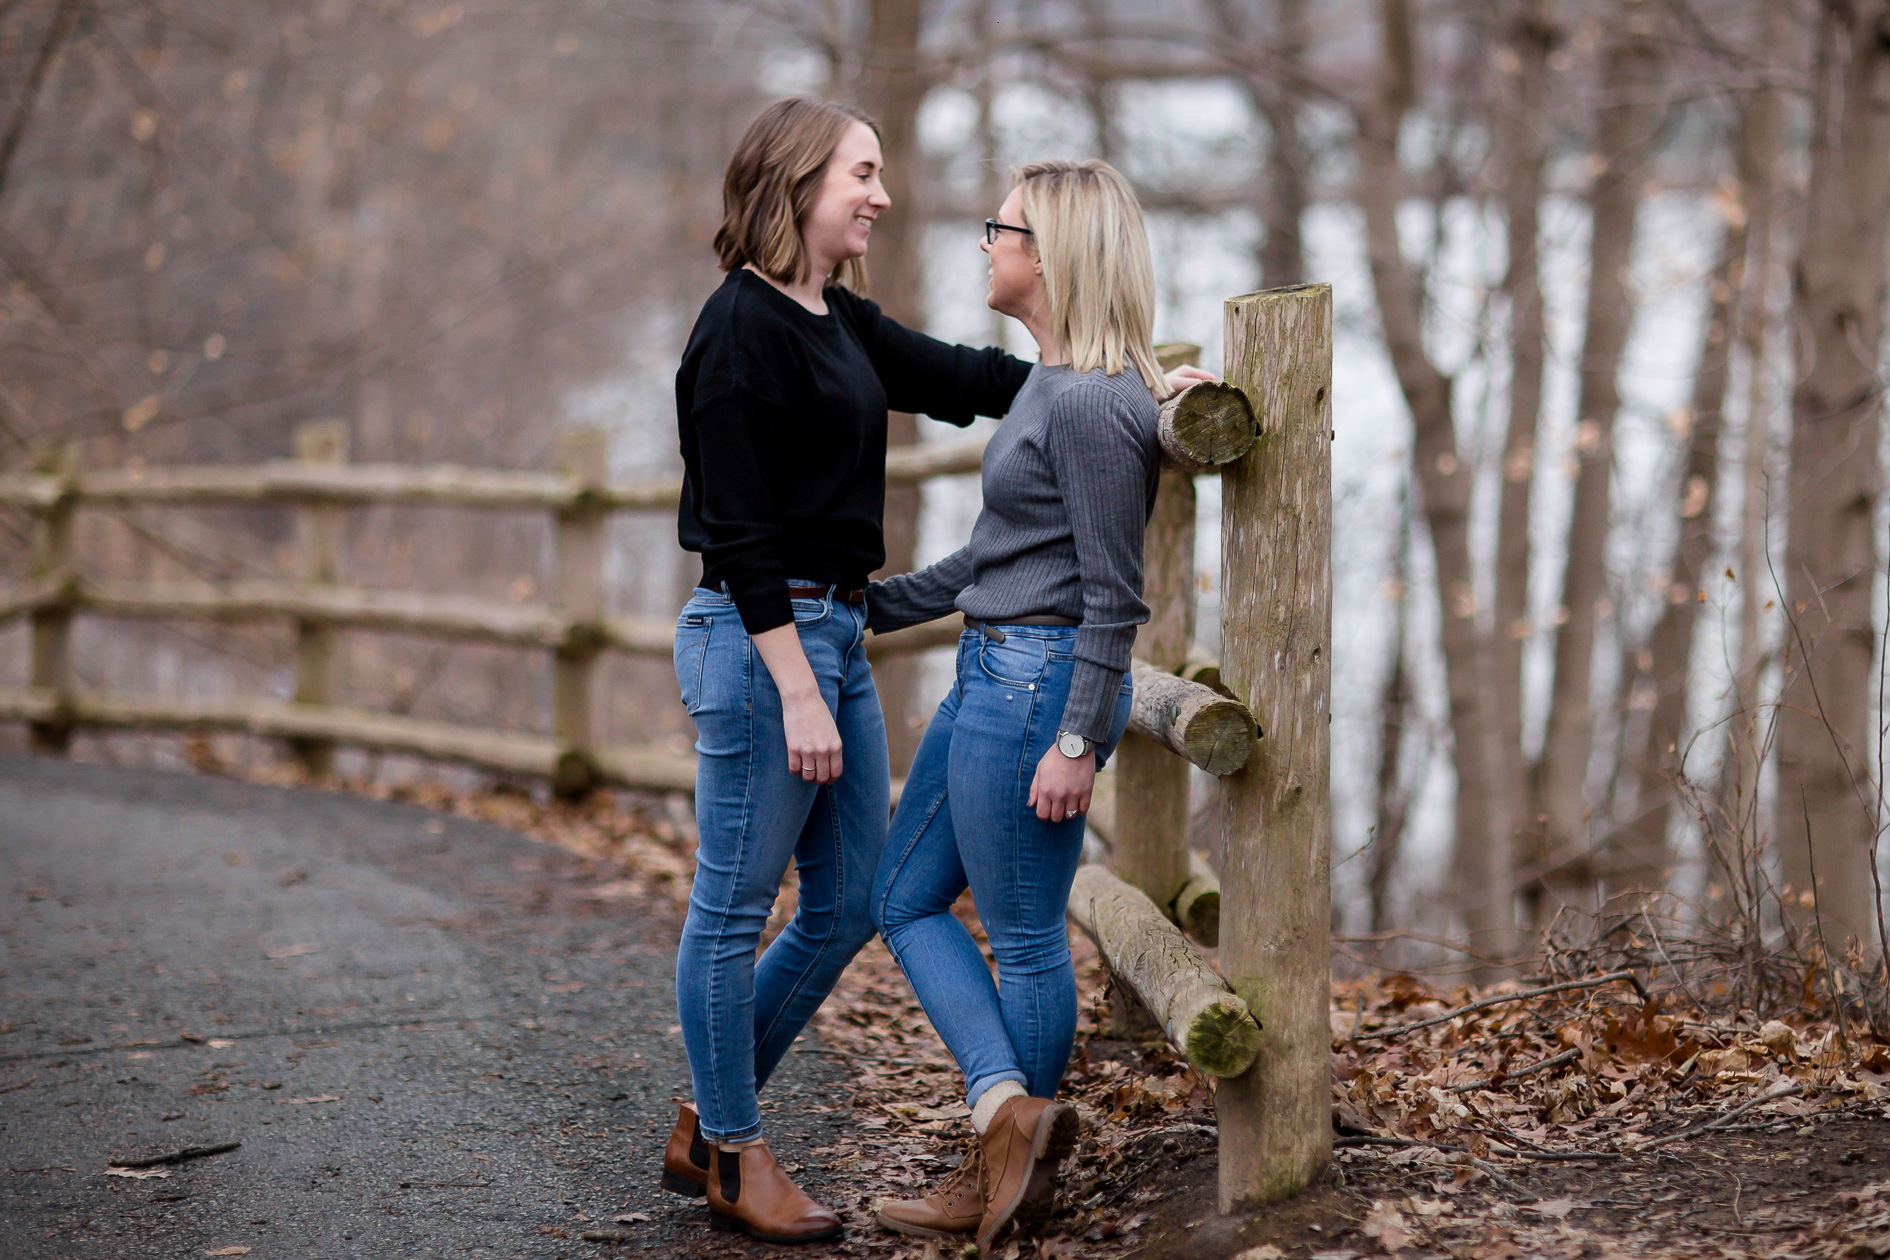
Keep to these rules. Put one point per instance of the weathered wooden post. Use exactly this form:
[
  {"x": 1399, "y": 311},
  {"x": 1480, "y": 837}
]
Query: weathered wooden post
[
  {"x": 1149, "y": 844},
  {"x": 1276, "y": 650},
  {"x": 51, "y": 667},
  {"x": 318, "y": 552},
  {"x": 582, "y": 456}
]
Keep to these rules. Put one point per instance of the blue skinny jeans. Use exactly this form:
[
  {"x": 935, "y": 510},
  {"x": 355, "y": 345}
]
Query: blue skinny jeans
[
  {"x": 964, "y": 821},
  {"x": 738, "y": 1015}
]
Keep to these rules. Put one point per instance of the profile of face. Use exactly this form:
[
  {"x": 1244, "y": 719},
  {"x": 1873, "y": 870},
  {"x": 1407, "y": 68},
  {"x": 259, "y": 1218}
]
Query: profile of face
[
  {"x": 840, "y": 222},
  {"x": 1016, "y": 272}
]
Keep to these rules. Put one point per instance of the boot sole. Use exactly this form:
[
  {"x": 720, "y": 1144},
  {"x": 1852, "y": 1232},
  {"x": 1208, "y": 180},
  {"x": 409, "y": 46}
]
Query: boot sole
[
  {"x": 898, "y": 1226},
  {"x": 1036, "y": 1199},
  {"x": 676, "y": 1183},
  {"x": 722, "y": 1223}
]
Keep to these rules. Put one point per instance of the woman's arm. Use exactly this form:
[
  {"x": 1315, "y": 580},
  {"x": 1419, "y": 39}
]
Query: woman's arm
[
  {"x": 1104, "y": 460},
  {"x": 924, "y": 375},
  {"x": 813, "y": 741},
  {"x": 910, "y": 598}
]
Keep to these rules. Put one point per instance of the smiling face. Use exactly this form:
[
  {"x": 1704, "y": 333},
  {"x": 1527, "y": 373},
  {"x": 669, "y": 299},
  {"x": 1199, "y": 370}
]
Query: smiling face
[
  {"x": 840, "y": 222},
  {"x": 1016, "y": 274}
]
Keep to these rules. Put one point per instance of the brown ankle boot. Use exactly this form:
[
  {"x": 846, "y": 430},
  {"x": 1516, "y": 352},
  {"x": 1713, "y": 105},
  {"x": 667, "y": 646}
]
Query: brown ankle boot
[
  {"x": 686, "y": 1158},
  {"x": 1027, "y": 1139},
  {"x": 749, "y": 1194},
  {"x": 955, "y": 1208}
]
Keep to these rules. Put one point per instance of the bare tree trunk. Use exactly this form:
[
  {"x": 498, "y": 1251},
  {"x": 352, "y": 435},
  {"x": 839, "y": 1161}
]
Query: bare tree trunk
[
  {"x": 1628, "y": 118},
  {"x": 1825, "y": 822},
  {"x": 1282, "y": 253},
  {"x": 892, "y": 87},
  {"x": 1761, "y": 141},
  {"x": 1482, "y": 871},
  {"x": 1394, "y": 797},
  {"x": 1523, "y": 109},
  {"x": 1273, "y": 96},
  {"x": 1638, "y": 853}
]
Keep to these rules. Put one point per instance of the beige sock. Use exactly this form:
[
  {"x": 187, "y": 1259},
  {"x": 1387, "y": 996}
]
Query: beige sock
[
  {"x": 989, "y": 1102},
  {"x": 736, "y": 1146}
]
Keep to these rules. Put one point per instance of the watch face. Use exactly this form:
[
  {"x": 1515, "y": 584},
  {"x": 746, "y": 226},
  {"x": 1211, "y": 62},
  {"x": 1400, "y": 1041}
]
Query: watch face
[{"x": 1071, "y": 745}]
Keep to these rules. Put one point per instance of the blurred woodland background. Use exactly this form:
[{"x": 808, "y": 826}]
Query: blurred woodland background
[{"x": 1610, "y": 280}]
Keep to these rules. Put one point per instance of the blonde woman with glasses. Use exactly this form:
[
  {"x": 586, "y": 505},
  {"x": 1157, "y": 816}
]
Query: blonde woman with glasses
[{"x": 1050, "y": 588}]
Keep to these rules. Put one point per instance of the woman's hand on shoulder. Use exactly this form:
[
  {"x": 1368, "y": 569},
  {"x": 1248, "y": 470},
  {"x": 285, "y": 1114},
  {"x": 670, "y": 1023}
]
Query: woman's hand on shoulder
[
  {"x": 1062, "y": 785},
  {"x": 1184, "y": 376}
]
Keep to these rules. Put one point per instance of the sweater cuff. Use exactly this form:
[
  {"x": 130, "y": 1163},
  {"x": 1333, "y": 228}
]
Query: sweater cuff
[
  {"x": 763, "y": 608},
  {"x": 1091, "y": 709}
]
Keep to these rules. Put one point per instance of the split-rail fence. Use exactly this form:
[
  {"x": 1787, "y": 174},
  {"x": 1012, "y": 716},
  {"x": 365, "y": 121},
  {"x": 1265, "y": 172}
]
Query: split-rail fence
[{"x": 1258, "y": 717}]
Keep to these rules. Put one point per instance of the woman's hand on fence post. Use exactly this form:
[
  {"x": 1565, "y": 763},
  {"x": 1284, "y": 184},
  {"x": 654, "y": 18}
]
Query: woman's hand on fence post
[{"x": 1062, "y": 785}]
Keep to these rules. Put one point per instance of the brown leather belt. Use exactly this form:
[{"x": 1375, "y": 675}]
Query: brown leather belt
[
  {"x": 996, "y": 635},
  {"x": 855, "y": 596}
]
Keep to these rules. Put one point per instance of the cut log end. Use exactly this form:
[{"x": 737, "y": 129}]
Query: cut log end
[
  {"x": 1205, "y": 426},
  {"x": 1220, "y": 736},
  {"x": 1224, "y": 1039},
  {"x": 1198, "y": 910}
]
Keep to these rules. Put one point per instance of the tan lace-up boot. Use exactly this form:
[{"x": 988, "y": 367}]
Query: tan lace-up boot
[
  {"x": 1026, "y": 1141},
  {"x": 951, "y": 1211}
]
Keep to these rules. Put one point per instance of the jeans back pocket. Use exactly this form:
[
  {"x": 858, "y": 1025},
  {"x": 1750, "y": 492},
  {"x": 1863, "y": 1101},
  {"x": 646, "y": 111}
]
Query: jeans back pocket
[{"x": 691, "y": 651}]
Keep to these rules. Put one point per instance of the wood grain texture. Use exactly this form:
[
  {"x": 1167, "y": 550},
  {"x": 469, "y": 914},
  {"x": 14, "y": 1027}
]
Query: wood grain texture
[{"x": 1276, "y": 636}]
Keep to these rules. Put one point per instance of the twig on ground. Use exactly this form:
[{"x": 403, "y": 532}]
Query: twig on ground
[
  {"x": 1486, "y": 1003},
  {"x": 1567, "y": 1056},
  {"x": 1785, "y": 1089},
  {"x": 8, "y": 1089},
  {"x": 177, "y": 1156},
  {"x": 1489, "y": 1171}
]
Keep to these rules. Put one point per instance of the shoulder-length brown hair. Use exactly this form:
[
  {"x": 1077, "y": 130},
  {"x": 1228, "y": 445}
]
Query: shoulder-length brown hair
[{"x": 770, "y": 186}]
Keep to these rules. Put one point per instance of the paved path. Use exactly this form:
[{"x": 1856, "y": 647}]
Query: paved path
[{"x": 187, "y": 960}]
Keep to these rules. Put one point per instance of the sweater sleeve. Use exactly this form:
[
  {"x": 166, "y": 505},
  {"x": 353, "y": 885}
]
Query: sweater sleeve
[
  {"x": 910, "y": 598},
  {"x": 921, "y": 374},
  {"x": 733, "y": 424},
  {"x": 1099, "y": 454}
]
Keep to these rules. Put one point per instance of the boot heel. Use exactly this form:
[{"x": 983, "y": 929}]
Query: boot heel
[
  {"x": 678, "y": 1184},
  {"x": 723, "y": 1224}
]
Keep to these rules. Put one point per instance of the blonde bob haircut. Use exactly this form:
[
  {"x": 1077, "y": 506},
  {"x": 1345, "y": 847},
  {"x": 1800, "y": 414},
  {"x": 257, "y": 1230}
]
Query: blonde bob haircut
[
  {"x": 771, "y": 184},
  {"x": 1088, "y": 233}
]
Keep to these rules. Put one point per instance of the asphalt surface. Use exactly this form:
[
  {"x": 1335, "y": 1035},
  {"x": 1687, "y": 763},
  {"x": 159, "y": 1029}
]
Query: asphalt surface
[{"x": 428, "y": 1038}]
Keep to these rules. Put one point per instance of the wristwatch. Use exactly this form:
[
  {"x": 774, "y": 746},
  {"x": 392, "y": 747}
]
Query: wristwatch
[{"x": 1072, "y": 745}]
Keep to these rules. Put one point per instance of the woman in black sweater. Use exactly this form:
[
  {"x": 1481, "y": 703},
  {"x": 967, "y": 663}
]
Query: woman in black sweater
[{"x": 781, "y": 402}]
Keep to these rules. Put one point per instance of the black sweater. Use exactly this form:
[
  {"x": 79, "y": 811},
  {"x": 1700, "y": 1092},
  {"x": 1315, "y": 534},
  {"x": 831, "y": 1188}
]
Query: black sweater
[{"x": 782, "y": 415}]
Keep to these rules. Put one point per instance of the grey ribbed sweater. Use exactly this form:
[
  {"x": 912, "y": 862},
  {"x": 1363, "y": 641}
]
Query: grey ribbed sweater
[{"x": 1069, "y": 482}]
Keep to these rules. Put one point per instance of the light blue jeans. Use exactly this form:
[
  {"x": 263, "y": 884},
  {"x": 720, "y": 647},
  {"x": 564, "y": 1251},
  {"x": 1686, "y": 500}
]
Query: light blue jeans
[
  {"x": 738, "y": 1015},
  {"x": 964, "y": 821}
]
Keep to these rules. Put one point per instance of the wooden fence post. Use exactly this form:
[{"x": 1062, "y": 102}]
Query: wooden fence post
[
  {"x": 582, "y": 456},
  {"x": 1276, "y": 650},
  {"x": 318, "y": 551},
  {"x": 1150, "y": 841},
  {"x": 51, "y": 668}
]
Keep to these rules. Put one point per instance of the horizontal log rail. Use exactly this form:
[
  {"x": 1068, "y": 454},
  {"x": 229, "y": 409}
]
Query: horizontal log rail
[
  {"x": 505, "y": 751},
  {"x": 1197, "y": 907},
  {"x": 1146, "y": 953},
  {"x": 1213, "y": 730},
  {"x": 442, "y": 616},
  {"x": 363, "y": 485},
  {"x": 1202, "y": 427}
]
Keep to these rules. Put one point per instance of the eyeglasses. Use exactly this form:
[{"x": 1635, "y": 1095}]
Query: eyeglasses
[{"x": 992, "y": 227}]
